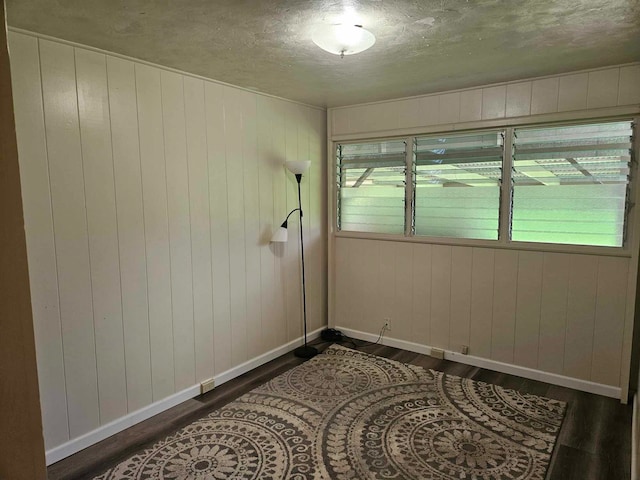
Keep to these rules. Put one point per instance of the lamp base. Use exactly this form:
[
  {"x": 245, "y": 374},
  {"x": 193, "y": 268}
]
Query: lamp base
[{"x": 305, "y": 352}]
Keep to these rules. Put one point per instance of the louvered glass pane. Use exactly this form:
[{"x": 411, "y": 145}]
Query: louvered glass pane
[
  {"x": 457, "y": 185},
  {"x": 371, "y": 181},
  {"x": 570, "y": 184}
]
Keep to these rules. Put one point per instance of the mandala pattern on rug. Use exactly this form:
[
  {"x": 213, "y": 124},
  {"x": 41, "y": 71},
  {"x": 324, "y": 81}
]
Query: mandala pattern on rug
[
  {"x": 338, "y": 374},
  {"x": 351, "y": 415},
  {"x": 406, "y": 431}
]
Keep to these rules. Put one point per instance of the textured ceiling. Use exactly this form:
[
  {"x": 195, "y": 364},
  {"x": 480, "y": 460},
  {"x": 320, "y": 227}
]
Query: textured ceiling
[{"x": 422, "y": 46}]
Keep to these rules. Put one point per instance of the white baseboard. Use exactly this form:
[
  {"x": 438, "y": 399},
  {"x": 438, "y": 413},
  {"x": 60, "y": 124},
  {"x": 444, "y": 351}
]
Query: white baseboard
[
  {"x": 634, "y": 439},
  {"x": 79, "y": 443},
  {"x": 530, "y": 373},
  {"x": 90, "y": 438},
  {"x": 264, "y": 358}
]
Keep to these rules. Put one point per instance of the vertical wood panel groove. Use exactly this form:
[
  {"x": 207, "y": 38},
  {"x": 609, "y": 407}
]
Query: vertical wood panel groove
[
  {"x": 482, "y": 294},
  {"x": 253, "y": 264},
  {"x": 580, "y": 316},
  {"x": 493, "y": 296},
  {"x": 528, "y": 308},
  {"x": 208, "y": 185},
  {"x": 193, "y": 294},
  {"x": 142, "y": 190},
  {"x": 200, "y": 227},
  {"x": 461, "y": 274},
  {"x": 115, "y": 196},
  {"x": 166, "y": 187},
  {"x": 242, "y": 152},
  {"x": 226, "y": 160},
  {"x": 595, "y": 310},
  {"x": 265, "y": 221},
  {"x": 451, "y": 320},
  {"x": 515, "y": 322},
  {"x": 540, "y": 316},
  {"x": 292, "y": 284},
  {"x": 236, "y": 208},
  {"x": 278, "y": 150},
  {"x": 216, "y": 160},
  {"x": 84, "y": 189},
  {"x": 608, "y": 327},
  {"x": 566, "y": 323},
  {"x": 144, "y": 222},
  {"x": 55, "y": 248},
  {"x": 553, "y": 312}
]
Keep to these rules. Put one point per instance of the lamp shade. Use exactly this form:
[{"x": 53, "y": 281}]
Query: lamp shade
[
  {"x": 281, "y": 235},
  {"x": 343, "y": 39},
  {"x": 298, "y": 167}
]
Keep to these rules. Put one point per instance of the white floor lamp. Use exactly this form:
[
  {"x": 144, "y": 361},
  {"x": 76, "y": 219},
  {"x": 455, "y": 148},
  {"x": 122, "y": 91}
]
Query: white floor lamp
[{"x": 281, "y": 235}]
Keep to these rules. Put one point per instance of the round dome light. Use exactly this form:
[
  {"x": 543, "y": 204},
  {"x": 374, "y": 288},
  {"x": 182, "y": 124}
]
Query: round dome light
[{"x": 343, "y": 39}]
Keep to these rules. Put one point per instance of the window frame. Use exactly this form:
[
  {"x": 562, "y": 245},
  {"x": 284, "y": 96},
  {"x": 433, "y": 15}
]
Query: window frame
[
  {"x": 628, "y": 190},
  {"x": 498, "y": 130},
  {"x": 505, "y": 211},
  {"x": 335, "y": 193}
]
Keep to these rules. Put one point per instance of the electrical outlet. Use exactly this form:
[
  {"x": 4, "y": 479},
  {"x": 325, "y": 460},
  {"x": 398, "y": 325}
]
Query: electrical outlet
[
  {"x": 387, "y": 324},
  {"x": 464, "y": 349},
  {"x": 207, "y": 386},
  {"x": 437, "y": 353}
]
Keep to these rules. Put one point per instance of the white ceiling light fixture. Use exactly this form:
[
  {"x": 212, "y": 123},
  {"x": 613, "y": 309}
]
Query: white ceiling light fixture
[{"x": 343, "y": 39}]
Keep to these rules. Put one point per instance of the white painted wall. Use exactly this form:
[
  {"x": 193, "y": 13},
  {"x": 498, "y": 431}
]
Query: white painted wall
[
  {"x": 555, "y": 312},
  {"x": 565, "y": 311},
  {"x": 599, "y": 92},
  {"x": 149, "y": 198}
]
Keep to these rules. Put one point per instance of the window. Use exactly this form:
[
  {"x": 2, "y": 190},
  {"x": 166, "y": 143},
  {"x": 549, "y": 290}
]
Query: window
[
  {"x": 457, "y": 182},
  {"x": 371, "y": 186},
  {"x": 570, "y": 184},
  {"x": 560, "y": 184}
]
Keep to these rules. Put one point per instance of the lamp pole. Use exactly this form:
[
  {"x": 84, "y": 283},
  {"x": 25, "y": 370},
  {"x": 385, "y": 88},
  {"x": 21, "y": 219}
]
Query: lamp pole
[
  {"x": 298, "y": 168},
  {"x": 305, "y": 351}
]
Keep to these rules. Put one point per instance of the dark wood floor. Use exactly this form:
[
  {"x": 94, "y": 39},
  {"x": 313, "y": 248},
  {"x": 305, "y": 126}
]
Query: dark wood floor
[{"x": 594, "y": 443}]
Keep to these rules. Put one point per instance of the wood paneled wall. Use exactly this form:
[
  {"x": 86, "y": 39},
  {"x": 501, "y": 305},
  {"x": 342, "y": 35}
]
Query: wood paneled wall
[
  {"x": 149, "y": 200},
  {"x": 575, "y": 92},
  {"x": 555, "y": 312},
  {"x": 566, "y": 314}
]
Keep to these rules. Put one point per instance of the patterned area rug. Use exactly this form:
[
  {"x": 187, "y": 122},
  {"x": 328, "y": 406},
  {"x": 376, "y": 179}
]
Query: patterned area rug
[{"x": 351, "y": 415}]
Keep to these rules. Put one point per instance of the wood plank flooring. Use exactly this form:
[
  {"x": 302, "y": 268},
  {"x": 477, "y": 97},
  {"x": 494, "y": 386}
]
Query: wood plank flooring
[{"x": 594, "y": 443}]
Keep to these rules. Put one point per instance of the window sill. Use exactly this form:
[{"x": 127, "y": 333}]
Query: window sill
[{"x": 495, "y": 244}]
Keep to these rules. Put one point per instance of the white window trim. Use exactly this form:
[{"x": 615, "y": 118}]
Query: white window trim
[{"x": 504, "y": 241}]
